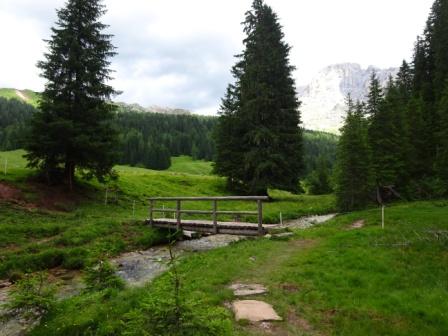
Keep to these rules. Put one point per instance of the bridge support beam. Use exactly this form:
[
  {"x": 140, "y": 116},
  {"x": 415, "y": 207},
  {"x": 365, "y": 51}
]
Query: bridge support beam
[
  {"x": 215, "y": 216},
  {"x": 178, "y": 226}
]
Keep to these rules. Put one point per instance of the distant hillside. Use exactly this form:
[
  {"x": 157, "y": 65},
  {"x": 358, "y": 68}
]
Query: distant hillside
[
  {"x": 26, "y": 96},
  {"x": 151, "y": 109},
  {"x": 31, "y": 97},
  {"x": 150, "y": 136}
]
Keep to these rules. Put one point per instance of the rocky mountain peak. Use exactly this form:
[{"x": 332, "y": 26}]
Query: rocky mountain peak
[{"x": 323, "y": 100}]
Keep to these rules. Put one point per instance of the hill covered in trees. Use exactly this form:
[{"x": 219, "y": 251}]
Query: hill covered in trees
[{"x": 151, "y": 139}]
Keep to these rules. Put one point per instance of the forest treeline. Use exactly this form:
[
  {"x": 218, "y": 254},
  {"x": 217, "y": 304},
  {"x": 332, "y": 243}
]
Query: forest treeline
[
  {"x": 151, "y": 139},
  {"x": 396, "y": 144}
]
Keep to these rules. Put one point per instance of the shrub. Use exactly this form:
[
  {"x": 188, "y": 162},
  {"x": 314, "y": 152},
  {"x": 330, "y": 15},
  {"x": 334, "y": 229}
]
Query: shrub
[
  {"x": 32, "y": 295},
  {"x": 75, "y": 258},
  {"x": 102, "y": 276}
]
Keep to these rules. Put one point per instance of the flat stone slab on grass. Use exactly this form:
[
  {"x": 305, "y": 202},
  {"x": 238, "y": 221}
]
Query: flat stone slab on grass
[
  {"x": 240, "y": 289},
  {"x": 254, "y": 311},
  {"x": 358, "y": 224}
]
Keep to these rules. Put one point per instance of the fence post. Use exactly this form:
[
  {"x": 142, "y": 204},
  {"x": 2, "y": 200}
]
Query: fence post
[
  {"x": 260, "y": 217},
  {"x": 105, "y": 197},
  {"x": 215, "y": 216},
  {"x": 178, "y": 225},
  {"x": 151, "y": 207}
]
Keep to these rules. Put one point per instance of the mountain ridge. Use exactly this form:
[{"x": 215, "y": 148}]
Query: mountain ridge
[{"x": 323, "y": 100}]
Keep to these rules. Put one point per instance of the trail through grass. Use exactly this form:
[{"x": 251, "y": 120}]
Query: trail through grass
[{"x": 327, "y": 280}]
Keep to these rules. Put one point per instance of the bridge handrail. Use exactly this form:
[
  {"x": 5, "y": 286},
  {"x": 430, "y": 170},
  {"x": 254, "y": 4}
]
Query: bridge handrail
[
  {"x": 214, "y": 212},
  {"x": 217, "y": 198}
]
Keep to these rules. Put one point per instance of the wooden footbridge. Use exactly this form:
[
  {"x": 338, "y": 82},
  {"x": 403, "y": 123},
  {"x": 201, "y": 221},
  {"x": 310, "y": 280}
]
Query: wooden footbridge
[{"x": 208, "y": 226}]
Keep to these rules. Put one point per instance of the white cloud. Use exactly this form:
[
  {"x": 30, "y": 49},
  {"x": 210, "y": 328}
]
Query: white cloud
[{"x": 179, "y": 53}]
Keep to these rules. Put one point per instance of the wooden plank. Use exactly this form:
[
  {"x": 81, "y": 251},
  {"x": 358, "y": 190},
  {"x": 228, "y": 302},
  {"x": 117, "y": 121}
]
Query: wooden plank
[
  {"x": 219, "y": 198},
  {"x": 178, "y": 213},
  {"x": 260, "y": 217},
  {"x": 207, "y": 212},
  {"x": 244, "y": 231},
  {"x": 215, "y": 216},
  {"x": 151, "y": 211}
]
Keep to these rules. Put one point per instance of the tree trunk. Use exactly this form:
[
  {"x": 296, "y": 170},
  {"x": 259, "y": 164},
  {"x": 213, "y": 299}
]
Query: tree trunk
[{"x": 69, "y": 172}]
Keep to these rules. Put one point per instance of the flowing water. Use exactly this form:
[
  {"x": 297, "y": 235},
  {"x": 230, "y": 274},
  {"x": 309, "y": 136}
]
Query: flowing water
[{"x": 137, "y": 268}]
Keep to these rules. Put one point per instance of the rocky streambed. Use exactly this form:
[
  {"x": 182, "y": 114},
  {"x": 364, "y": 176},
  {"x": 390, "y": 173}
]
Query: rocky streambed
[{"x": 137, "y": 268}]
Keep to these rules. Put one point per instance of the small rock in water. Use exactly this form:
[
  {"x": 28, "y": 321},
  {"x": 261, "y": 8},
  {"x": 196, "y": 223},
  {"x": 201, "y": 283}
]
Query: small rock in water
[
  {"x": 254, "y": 311},
  {"x": 283, "y": 235},
  {"x": 240, "y": 289},
  {"x": 4, "y": 284}
]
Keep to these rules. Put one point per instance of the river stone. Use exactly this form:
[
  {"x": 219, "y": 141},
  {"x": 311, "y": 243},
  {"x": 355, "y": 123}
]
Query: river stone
[
  {"x": 240, "y": 289},
  {"x": 254, "y": 311}
]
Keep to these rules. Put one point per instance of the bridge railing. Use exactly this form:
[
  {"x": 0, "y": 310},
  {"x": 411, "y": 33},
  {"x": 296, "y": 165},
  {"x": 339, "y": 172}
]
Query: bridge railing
[{"x": 178, "y": 211}]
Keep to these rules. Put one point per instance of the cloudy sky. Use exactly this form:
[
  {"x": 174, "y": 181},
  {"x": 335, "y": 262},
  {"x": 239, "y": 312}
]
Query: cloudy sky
[{"x": 178, "y": 53}]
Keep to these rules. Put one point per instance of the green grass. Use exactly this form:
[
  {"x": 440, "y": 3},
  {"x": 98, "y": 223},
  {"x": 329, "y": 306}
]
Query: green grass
[
  {"x": 72, "y": 233},
  {"x": 31, "y": 96},
  {"x": 327, "y": 280},
  {"x": 185, "y": 164}
]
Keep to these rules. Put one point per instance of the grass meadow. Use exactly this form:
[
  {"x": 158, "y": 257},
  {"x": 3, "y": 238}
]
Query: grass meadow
[{"x": 331, "y": 279}]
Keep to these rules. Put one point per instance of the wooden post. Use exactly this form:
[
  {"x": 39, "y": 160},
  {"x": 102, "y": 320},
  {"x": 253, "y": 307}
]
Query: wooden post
[
  {"x": 260, "y": 217},
  {"x": 151, "y": 206},
  {"x": 6, "y": 166},
  {"x": 178, "y": 225},
  {"x": 105, "y": 198},
  {"x": 382, "y": 216},
  {"x": 215, "y": 216}
]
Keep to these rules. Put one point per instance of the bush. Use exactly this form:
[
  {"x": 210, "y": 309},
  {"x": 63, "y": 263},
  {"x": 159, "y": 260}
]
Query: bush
[
  {"x": 75, "y": 258},
  {"x": 160, "y": 316},
  {"x": 102, "y": 276},
  {"x": 32, "y": 295}
]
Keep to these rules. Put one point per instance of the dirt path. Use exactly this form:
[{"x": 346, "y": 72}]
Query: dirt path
[{"x": 22, "y": 96}]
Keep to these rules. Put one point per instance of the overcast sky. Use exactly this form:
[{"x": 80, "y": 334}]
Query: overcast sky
[{"x": 178, "y": 53}]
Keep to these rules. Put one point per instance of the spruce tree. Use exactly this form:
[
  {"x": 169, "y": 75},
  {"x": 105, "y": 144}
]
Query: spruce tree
[
  {"x": 375, "y": 96},
  {"x": 73, "y": 128},
  {"x": 386, "y": 139},
  {"x": 353, "y": 169},
  {"x": 404, "y": 82},
  {"x": 442, "y": 138},
  {"x": 259, "y": 141}
]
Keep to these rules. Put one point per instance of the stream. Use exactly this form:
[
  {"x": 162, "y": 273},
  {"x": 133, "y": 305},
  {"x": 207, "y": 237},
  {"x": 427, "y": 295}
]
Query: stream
[{"x": 136, "y": 269}]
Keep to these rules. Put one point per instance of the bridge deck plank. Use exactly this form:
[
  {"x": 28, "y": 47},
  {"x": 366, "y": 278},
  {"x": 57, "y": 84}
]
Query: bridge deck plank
[{"x": 207, "y": 225}]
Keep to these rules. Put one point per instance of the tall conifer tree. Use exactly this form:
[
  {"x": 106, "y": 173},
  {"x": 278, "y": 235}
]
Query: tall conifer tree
[
  {"x": 442, "y": 138},
  {"x": 353, "y": 166},
  {"x": 73, "y": 129},
  {"x": 259, "y": 141},
  {"x": 386, "y": 135},
  {"x": 375, "y": 96}
]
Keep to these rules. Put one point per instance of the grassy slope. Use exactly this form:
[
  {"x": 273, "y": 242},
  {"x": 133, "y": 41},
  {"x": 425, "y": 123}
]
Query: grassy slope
[
  {"x": 326, "y": 280},
  {"x": 185, "y": 164},
  {"x": 33, "y": 239},
  {"x": 32, "y": 97}
]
